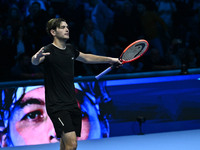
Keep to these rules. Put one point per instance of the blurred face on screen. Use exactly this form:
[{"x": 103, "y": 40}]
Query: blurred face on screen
[{"x": 29, "y": 123}]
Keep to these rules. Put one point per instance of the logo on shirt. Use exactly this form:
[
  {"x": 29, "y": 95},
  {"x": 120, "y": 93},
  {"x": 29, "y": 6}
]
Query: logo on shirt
[{"x": 72, "y": 58}]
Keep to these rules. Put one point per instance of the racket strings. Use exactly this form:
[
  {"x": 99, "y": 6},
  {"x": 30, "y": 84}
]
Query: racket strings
[{"x": 131, "y": 53}]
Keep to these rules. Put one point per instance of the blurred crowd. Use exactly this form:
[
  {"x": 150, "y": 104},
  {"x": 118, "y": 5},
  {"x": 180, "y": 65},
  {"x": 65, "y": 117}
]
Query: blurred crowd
[{"x": 103, "y": 27}]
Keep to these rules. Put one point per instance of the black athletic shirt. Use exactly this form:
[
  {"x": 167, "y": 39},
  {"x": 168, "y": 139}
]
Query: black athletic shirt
[{"x": 59, "y": 78}]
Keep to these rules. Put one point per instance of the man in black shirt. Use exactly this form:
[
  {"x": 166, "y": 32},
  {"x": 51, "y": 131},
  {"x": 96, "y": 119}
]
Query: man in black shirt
[{"x": 58, "y": 58}]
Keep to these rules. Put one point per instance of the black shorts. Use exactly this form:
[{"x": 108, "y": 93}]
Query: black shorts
[{"x": 67, "y": 121}]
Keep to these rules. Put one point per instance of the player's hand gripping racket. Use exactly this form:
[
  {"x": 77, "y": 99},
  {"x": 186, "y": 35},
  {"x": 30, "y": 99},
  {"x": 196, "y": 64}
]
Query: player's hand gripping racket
[{"x": 132, "y": 52}]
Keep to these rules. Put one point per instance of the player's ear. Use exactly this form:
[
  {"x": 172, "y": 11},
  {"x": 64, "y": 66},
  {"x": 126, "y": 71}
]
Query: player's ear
[{"x": 53, "y": 32}]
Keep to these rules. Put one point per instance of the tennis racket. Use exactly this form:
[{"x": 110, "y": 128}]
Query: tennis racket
[{"x": 131, "y": 53}]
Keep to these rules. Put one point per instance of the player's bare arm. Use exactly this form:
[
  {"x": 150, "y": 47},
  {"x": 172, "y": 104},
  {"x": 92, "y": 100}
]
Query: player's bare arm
[{"x": 95, "y": 59}]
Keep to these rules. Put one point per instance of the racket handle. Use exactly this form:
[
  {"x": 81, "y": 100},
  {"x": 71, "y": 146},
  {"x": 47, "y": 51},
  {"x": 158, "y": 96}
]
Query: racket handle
[{"x": 103, "y": 73}]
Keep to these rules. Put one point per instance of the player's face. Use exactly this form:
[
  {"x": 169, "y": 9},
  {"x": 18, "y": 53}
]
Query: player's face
[
  {"x": 29, "y": 123},
  {"x": 62, "y": 32}
]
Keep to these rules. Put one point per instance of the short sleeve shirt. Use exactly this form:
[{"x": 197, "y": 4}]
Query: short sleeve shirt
[{"x": 59, "y": 78}]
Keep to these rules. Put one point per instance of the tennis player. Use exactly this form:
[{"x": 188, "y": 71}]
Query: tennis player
[{"x": 58, "y": 59}]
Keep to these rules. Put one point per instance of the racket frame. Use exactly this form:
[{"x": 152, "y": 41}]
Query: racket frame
[{"x": 127, "y": 61}]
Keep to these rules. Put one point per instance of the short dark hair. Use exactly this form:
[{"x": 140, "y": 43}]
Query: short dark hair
[
  {"x": 37, "y": 3},
  {"x": 53, "y": 24}
]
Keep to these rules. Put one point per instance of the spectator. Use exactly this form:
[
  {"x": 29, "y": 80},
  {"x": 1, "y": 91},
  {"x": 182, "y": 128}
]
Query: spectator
[
  {"x": 171, "y": 55},
  {"x": 192, "y": 60},
  {"x": 35, "y": 23},
  {"x": 24, "y": 70},
  {"x": 152, "y": 27},
  {"x": 7, "y": 55},
  {"x": 102, "y": 15},
  {"x": 91, "y": 39},
  {"x": 93, "y": 42},
  {"x": 125, "y": 24},
  {"x": 197, "y": 52},
  {"x": 166, "y": 8},
  {"x": 155, "y": 62},
  {"x": 14, "y": 17},
  {"x": 20, "y": 44},
  {"x": 75, "y": 19}
]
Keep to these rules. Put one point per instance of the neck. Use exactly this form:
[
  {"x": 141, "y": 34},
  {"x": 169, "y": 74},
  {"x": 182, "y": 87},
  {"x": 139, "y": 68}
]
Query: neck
[{"x": 59, "y": 44}]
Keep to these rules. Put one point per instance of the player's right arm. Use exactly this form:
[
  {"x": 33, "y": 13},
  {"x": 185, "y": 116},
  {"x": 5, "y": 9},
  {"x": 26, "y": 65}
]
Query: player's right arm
[{"x": 39, "y": 57}]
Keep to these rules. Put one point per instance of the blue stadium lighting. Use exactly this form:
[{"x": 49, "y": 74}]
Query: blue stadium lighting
[{"x": 152, "y": 80}]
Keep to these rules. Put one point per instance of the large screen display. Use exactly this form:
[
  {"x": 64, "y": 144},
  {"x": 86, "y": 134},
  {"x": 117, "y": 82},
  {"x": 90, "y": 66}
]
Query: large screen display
[{"x": 109, "y": 108}]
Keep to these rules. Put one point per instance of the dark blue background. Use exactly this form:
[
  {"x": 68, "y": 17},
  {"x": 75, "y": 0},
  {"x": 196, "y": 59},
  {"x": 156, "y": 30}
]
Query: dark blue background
[{"x": 168, "y": 104}]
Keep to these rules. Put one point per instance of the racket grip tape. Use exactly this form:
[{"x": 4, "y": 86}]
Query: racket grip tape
[{"x": 103, "y": 73}]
